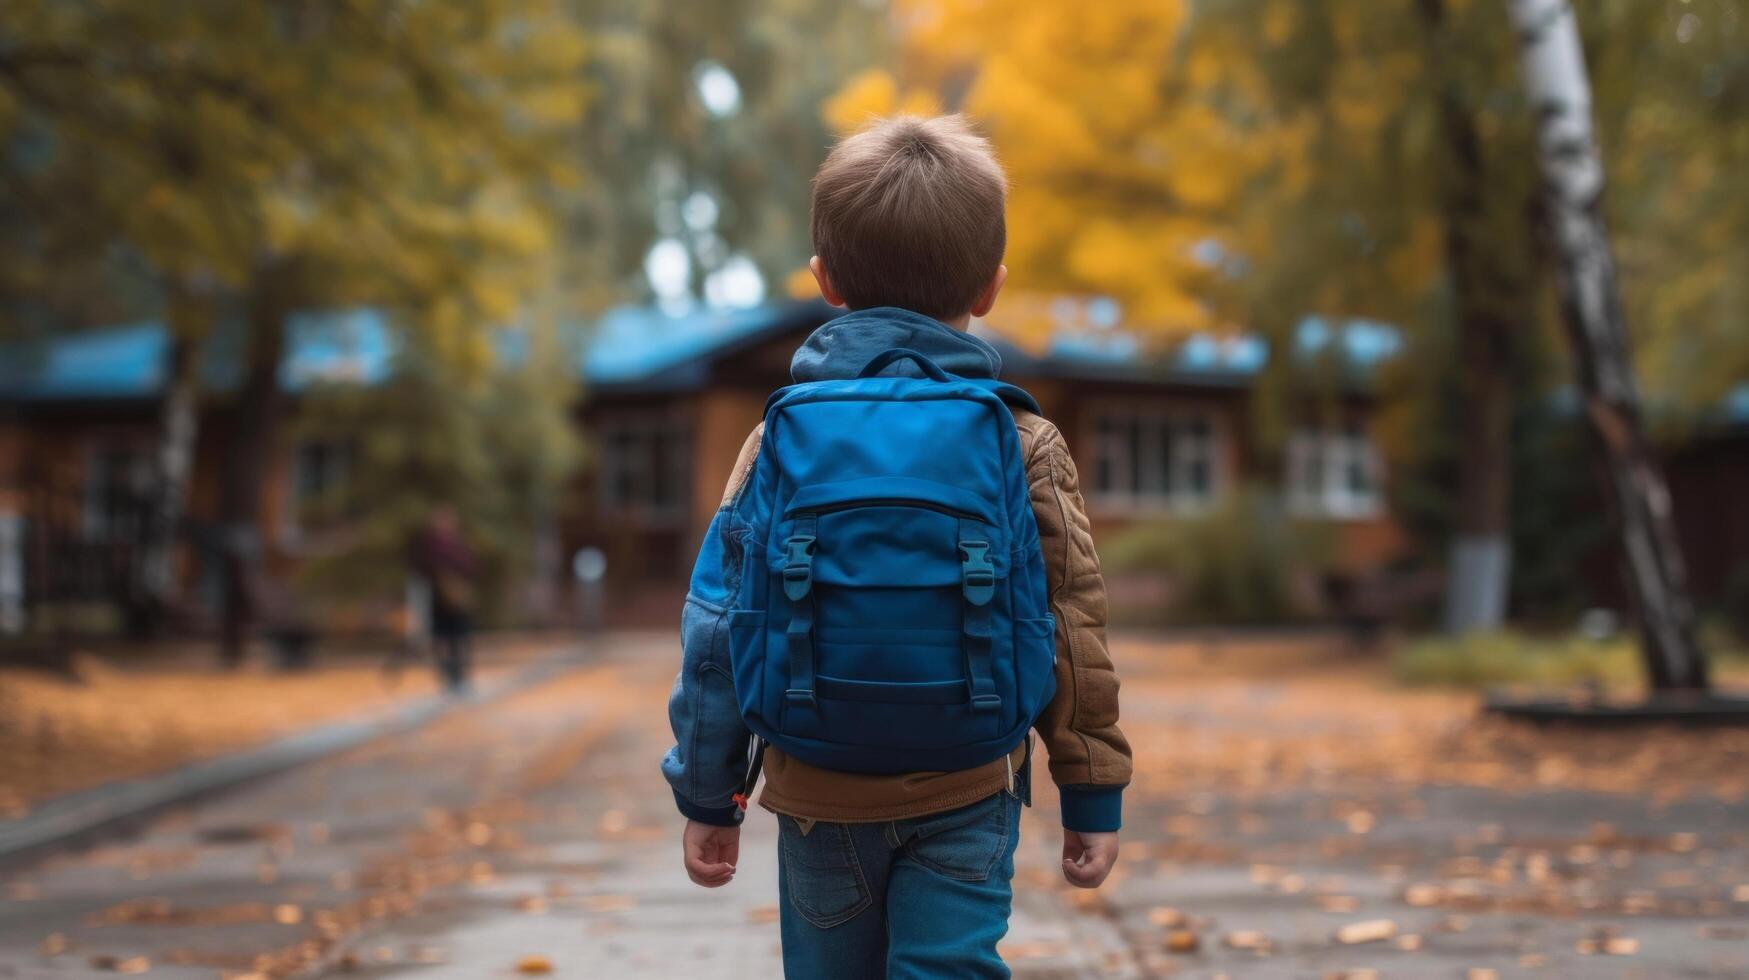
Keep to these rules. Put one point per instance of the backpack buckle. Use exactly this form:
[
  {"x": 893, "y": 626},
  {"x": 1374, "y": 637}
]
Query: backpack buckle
[
  {"x": 977, "y": 575},
  {"x": 798, "y": 566}
]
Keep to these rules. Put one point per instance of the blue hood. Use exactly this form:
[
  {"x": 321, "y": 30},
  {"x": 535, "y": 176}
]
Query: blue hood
[{"x": 839, "y": 348}]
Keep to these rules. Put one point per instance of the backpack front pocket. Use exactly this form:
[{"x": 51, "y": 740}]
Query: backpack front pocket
[{"x": 889, "y": 636}]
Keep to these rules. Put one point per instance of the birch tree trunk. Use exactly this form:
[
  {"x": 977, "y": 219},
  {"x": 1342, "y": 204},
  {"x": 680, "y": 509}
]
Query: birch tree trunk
[
  {"x": 1560, "y": 94},
  {"x": 174, "y": 460}
]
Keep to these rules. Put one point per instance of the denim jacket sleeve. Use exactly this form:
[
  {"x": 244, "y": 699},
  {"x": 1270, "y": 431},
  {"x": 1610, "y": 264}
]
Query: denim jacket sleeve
[{"x": 709, "y": 758}]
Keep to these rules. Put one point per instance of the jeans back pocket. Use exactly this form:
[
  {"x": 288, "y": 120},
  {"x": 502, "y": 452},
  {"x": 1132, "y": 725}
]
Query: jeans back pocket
[
  {"x": 965, "y": 844},
  {"x": 824, "y": 877}
]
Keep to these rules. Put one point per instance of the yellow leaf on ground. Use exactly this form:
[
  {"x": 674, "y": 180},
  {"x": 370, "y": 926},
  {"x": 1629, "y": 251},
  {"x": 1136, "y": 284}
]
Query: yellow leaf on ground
[
  {"x": 1247, "y": 939},
  {"x": 1369, "y": 931},
  {"x": 534, "y": 965}
]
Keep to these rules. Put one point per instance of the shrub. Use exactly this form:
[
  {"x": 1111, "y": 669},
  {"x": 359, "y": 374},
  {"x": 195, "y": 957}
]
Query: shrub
[
  {"x": 1238, "y": 563},
  {"x": 1512, "y": 658}
]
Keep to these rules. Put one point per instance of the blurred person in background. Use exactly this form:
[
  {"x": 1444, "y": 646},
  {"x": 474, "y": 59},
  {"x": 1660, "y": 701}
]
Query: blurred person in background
[{"x": 442, "y": 558}]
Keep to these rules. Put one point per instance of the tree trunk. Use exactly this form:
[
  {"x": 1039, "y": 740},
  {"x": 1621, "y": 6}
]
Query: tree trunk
[
  {"x": 1560, "y": 93},
  {"x": 1479, "y": 572},
  {"x": 255, "y": 425},
  {"x": 177, "y": 433}
]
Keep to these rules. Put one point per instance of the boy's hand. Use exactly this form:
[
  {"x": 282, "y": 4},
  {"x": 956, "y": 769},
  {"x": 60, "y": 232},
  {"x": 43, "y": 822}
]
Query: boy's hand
[
  {"x": 710, "y": 853},
  {"x": 1088, "y": 858}
]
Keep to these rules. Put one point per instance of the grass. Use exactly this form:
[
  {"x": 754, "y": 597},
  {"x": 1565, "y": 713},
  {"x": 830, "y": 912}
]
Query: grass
[{"x": 1514, "y": 659}]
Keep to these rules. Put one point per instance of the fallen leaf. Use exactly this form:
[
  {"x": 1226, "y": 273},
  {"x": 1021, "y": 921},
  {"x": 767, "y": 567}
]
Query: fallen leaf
[
  {"x": 288, "y": 915},
  {"x": 762, "y": 914},
  {"x": 1183, "y": 941},
  {"x": 116, "y": 964},
  {"x": 1369, "y": 931},
  {"x": 534, "y": 965},
  {"x": 1621, "y": 946},
  {"x": 1423, "y": 895},
  {"x": 1247, "y": 939},
  {"x": 1164, "y": 915},
  {"x": 1407, "y": 943},
  {"x": 1482, "y": 973},
  {"x": 54, "y": 944},
  {"x": 532, "y": 904}
]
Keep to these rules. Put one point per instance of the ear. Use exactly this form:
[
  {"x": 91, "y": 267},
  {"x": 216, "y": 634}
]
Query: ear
[
  {"x": 987, "y": 298},
  {"x": 819, "y": 270}
]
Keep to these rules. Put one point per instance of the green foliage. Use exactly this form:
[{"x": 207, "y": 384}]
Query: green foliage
[
  {"x": 497, "y": 448},
  {"x": 362, "y": 151},
  {"x": 1510, "y": 658},
  {"x": 1513, "y": 658},
  {"x": 652, "y": 142},
  {"x": 1236, "y": 564}
]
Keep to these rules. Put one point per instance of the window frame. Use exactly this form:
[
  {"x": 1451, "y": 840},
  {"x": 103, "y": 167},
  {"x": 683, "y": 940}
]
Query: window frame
[
  {"x": 294, "y": 530},
  {"x": 1317, "y": 467},
  {"x": 1115, "y": 453},
  {"x": 97, "y": 496},
  {"x": 674, "y": 432}
]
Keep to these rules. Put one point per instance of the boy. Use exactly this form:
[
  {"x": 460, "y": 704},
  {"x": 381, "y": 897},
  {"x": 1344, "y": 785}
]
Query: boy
[{"x": 904, "y": 875}]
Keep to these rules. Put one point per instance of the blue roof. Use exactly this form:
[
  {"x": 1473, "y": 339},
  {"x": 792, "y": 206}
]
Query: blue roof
[
  {"x": 633, "y": 344},
  {"x": 641, "y": 347},
  {"x": 128, "y": 361}
]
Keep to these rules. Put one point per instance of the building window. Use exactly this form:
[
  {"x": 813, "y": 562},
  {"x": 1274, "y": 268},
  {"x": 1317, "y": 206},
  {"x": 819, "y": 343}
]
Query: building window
[
  {"x": 1153, "y": 460},
  {"x": 319, "y": 472},
  {"x": 1334, "y": 473},
  {"x": 118, "y": 483},
  {"x": 646, "y": 469}
]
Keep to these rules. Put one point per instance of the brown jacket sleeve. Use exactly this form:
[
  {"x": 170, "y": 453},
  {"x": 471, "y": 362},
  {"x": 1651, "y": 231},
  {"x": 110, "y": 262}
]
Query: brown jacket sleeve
[
  {"x": 744, "y": 463},
  {"x": 1079, "y": 727}
]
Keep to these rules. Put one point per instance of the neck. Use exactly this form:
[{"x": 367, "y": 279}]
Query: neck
[{"x": 962, "y": 323}]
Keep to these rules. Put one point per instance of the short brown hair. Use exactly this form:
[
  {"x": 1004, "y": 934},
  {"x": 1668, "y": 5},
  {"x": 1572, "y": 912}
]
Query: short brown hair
[{"x": 908, "y": 212}]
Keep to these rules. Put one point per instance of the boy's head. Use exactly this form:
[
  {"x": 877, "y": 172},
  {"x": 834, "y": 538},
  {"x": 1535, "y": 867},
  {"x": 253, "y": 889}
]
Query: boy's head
[{"x": 909, "y": 213}]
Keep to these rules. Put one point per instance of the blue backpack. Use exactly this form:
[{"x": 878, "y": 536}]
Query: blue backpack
[{"x": 896, "y": 616}]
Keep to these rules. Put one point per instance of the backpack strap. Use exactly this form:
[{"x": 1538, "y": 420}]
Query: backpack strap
[
  {"x": 978, "y": 586},
  {"x": 879, "y": 362},
  {"x": 1013, "y": 395},
  {"x": 798, "y": 586}
]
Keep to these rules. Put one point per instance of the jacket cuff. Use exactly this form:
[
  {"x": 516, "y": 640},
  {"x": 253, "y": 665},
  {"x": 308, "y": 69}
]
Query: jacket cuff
[
  {"x": 716, "y": 816},
  {"x": 1092, "y": 809}
]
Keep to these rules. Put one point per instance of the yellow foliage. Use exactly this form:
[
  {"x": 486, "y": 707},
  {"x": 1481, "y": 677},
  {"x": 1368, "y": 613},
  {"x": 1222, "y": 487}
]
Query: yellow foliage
[
  {"x": 800, "y": 284},
  {"x": 1118, "y": 167},
  {"x": 870, "y": 95}
]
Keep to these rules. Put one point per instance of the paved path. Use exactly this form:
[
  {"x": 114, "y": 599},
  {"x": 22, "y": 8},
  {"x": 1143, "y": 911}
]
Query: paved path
[{"x": 534, "y": 831}]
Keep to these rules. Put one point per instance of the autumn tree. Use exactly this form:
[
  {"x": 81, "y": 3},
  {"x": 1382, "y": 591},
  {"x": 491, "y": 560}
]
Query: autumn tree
[
  {"x": 1122, "y": 181},
  {"x": 704, "y": 134},
  {"x": 437, "y": 433},
  {"x": 1247, "y": 163},
  {"x": 280, "y": 156}
]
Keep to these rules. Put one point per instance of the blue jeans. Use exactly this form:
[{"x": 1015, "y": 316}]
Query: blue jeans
[{"x": 922, "y": 898}]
